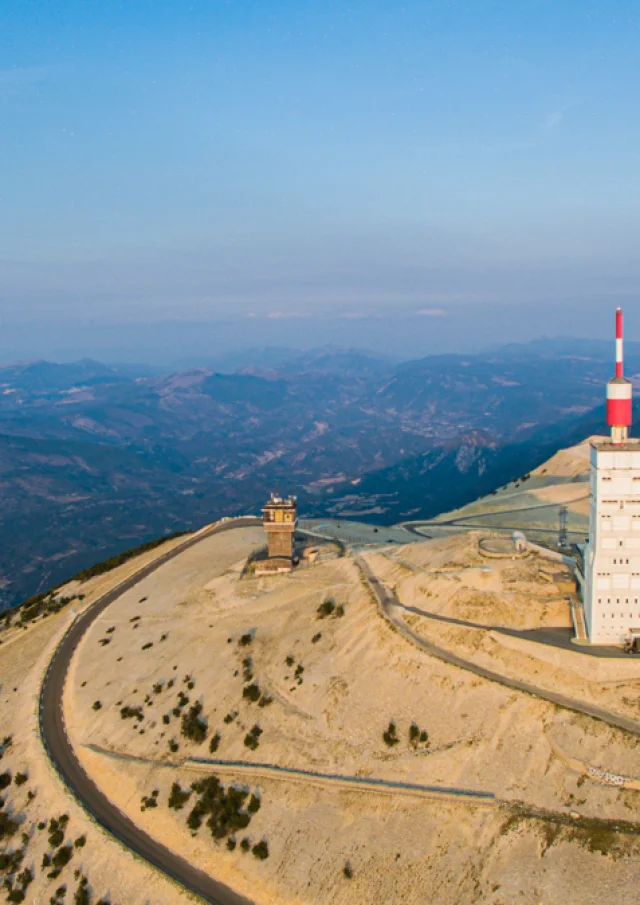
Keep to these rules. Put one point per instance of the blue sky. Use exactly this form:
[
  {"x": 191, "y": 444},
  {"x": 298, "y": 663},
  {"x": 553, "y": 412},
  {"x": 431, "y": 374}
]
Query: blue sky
[{"x": 208, "y": 160}]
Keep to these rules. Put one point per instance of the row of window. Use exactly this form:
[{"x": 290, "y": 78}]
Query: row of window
[{"x": 626, "y": 600}]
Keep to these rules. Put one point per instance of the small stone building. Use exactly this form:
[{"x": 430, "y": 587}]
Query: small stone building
[{"x": 280, "y": 520}]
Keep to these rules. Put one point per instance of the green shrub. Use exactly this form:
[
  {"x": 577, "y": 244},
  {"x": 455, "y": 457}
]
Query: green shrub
[
  {"x": 390, "y": 737},
  {"x": 245, "y": 845},
  {"x": 251, "y": 692},
  {"x": 316, "y": 638},
  {"x": 5, "y": 779},
  {"x": 97, "y": 705},
  {"x": 62, "y": 856},
  {"x": 193, "y": 727},
  {"x": 326, "y": 609},
  {"x": 20, "y": 778},
  {"x": 80, "y": 842},
  {"x": 261, "y": 850},
  {"x": 347, "y": 871},
  {"x": 173, "y": 745},
  {"x": 251, "y": 739},
  {"x": 178, "y": 797},
  {"x": 82, "y": 896},
  {"x": 214, "y": 743},
  {"x": 245, "y": 639},
  {"x": 56, "y": 837}
]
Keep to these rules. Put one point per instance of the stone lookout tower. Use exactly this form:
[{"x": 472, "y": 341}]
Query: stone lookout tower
[{"x": 280, "y": 522}]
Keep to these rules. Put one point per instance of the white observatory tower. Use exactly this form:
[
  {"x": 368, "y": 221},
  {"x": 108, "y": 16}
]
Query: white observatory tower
[{"x": 612, "y": 556}]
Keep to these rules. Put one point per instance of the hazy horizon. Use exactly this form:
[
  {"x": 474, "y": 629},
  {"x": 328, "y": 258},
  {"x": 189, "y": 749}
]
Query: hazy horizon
[{"x": 431, "y": 177}]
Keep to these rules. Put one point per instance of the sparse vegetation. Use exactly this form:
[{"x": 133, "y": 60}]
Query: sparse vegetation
[
  {"x": 223, "y": 806},
  {"x": 251, "y": 692},
  {"x": 326, "y": 608},
  {"x": 101, "y": 567},
  {"x": 128, "y": 713},
  {"x": 20, "y": 778},
  {"x": 330, "y": 608},
  {"x": 260, "y": 850},
  {"x": 418, "y": 736},
  {"x": 230, "y": 717},
  {"x": 149, "y": 801},
  {"x": 178, "y": 797},
  {"x": 193, "y": 727},
  {"x": 390, "y": 735},
  {"x": 214, "y": 744},
  {"x": 252, "y": 738},
  {"x": 245, "y": 639}
]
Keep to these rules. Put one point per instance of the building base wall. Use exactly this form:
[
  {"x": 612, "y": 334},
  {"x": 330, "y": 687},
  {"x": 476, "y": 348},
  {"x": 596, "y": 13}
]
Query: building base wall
[{"x": 280, "y": 543}]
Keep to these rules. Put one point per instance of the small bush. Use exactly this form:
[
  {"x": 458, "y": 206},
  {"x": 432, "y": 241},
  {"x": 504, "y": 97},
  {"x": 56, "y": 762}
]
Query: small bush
[
  {"x": 82, "y": 893},
  {"x": 56, "y": 837},
  {"x": 260, "y": 850},
  {"x": 214, "y": 744},
  {"x": 289, "y": 660},
  {"x": 20, "y": 779},
  {"x": 147, "y": 645},
  {"x": 193, "y": 727},
  {"x": 5, "y": 779},
  {"x": 316, "y": 638},
  {"x": 245, "y": 639},
  {"x": 390, "y": 737},
  {"x": 347, "y": 870},
  {"x": 326, "y": 609},
  {"x": 251, "y": 692},
  {"x": 265, "y": 700},
  {"x": 80, "y": 842},
  {"x": 62, "y": 857},
  {"x": 128, "y": 713},
  {"x": 252, "y": 738},
  {"x": 178, "y": 797},
  {"x": 231, "y": 843},
  {"x": 245, "y": 845},
  {"x": 97, "y": 705},
  {"x": 230, "y": 717},
  {"x": 254, "y": 804},
  {"x": 173, "y": 746}
]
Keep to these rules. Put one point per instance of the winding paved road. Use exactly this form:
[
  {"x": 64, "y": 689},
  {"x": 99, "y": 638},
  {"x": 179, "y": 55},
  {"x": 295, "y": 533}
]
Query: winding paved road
[
  {"x": 389, "y": 606},
  {"x": 61, "y": 753}
]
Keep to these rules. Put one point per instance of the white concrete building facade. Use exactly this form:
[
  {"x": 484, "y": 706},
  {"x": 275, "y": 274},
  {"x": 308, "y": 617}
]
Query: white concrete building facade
[{"x": 612, "y": 556}]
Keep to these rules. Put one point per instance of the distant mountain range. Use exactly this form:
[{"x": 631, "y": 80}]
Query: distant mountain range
[{"x": 95, "y": 459}]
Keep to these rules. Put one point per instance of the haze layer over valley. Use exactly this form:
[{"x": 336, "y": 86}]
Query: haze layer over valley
[{"x": 96, "y": 459}]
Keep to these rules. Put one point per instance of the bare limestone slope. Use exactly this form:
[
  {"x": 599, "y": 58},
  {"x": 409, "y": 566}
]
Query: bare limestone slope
[{"x": 200, "y": 633}]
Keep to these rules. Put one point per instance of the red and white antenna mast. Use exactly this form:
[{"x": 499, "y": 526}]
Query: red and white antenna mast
[{"x": 619, "y": 394}]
